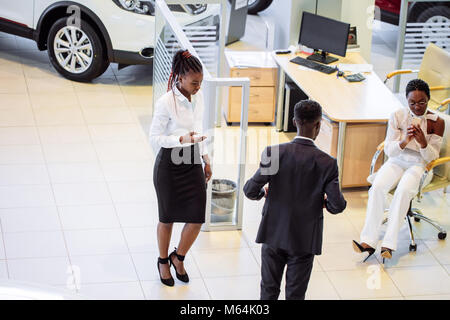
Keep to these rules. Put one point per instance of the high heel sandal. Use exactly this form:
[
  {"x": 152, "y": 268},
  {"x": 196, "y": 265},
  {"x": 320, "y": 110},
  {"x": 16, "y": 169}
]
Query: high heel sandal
[
  {"x": 386, "y": 253},
  {"x": 168, "y": 282},
  {"x": 181, "y": 277},
  {"x": 360, "y": 249}
]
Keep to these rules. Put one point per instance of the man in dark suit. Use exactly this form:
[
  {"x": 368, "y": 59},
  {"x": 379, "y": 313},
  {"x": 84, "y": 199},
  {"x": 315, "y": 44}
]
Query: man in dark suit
[{"x": 299, "y": 176}]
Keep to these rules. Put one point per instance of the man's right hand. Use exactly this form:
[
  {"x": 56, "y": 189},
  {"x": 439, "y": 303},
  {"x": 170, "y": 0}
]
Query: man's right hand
[{"x": 189, "y": 138}]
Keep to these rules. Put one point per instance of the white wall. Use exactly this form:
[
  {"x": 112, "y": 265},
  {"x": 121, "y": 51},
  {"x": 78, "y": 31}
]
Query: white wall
[
  {"x": 287, "y": 16},
  {"x": 279, "y": 13},
  {"x": 355, "y": 13}
]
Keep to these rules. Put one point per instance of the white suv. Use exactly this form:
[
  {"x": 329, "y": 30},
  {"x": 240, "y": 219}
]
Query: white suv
[{"x": 84, "y": 36}]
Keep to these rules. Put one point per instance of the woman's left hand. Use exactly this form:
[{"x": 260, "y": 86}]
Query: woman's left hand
[
  {"x": 420, "y": 137},
  {"x": 208, "y": 172}
]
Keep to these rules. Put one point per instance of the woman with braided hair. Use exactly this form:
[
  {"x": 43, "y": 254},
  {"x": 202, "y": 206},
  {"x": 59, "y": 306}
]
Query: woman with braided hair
[{"x": 179, "y": 177}]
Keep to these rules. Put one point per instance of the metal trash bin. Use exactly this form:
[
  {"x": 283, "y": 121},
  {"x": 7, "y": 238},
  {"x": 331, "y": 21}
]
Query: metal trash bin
[{"x": 223, "y": 200}]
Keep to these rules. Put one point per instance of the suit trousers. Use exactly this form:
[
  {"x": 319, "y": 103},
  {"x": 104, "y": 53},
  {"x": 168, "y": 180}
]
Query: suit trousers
[{"x": 298, "y": 272}]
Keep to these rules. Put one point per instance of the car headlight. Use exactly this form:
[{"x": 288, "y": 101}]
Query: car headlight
[{"x": 137, "y": 6}]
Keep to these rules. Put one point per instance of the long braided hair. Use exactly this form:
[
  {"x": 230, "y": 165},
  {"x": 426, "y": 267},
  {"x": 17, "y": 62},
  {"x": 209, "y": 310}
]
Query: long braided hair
[{"x": 182, "y": 63}]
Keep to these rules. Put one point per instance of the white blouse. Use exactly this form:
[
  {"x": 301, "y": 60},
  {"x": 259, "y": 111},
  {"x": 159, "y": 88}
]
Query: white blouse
[
  {"x": 398, "y": 125},
  {"x": 175, "y": 116}
]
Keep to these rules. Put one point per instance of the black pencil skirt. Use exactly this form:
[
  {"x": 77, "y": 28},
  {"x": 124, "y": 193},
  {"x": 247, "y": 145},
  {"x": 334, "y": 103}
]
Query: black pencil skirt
[{"x": 180, "y": 185}]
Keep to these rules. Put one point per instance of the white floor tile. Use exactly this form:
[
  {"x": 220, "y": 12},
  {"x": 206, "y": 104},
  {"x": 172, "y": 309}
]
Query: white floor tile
[
  {"x": 75, "y": 172},
  {"x": 116, "y": 133},
  {"x": 429, "y": 297},
  {"x": 447, "y": 267},
  {"x": 440, "y": 249},
  {"x": 2, "y": 248},
  {"x": 21, "y": 154},
  {"x": 132, "y": 191},
  {"x": 95, "y": 242},
  {"x": 16, "y": 85},
  {"x": 34, "y": 245},
  {"x": 11, "y": 70},
  {"x": 226, "y": 262},
  {"x": 113, "y": 291},
  {"x": 8, "y": 44},
  {"x": 50, "y": 271},
  {"x": 88, "y": 217},
  {"x": 123, "y": 151},
  {"x": 98, "y": 85},
  {"x": 359, "y": 284},
  {"x": 220, "y": 240},
  {"x": 14, "y": 100},
  {"x": 19, "y": 136},
  {"x": 427, "y": 280},
  {"x": 146, "y": 266},
  {"x": 105, "y": 268},
  {"x": 69, "y": 153},
  {"x": 59, "y": 100},
  {"x": 320, "y": 288},
  {"x": 52, "y": 116},
  {"x": 49, "y": 86},
  {"x": 338, "y": 229},
  {"x": 16, "y": 117},
  {"x": 3, "y": 270},
  {"x": 128, "y": 170},
  {"x": 81, "y": 194},
  {"x": 64, "y": 134},
  {"x": 31, "y": 57},
  {"x": 142, "y": 239},
  {"x": 249, "y": 231},
  {"x": 137, "y": 215},
  {"x": 101, "y": 100},
  {"x": 402, "y": 257},
  {"x": 23, "y": 174},
  {"x": 234, "y": 288},
  {"x": 194, "y": 290},
  {"x": 39, "y": 71},
  {"x": 107, "y": 115},
  {"x": 340, "y": 256},
  {"x": 26, "y": 196},
  {"x": 30, "y": 219}
]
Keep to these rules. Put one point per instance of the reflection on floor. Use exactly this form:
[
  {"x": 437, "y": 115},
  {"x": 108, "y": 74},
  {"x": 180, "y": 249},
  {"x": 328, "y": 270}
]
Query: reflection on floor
[{"x": 77, "y": 201}]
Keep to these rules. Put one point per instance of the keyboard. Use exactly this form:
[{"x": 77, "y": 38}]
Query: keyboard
[{"x": 313, "y": 65}]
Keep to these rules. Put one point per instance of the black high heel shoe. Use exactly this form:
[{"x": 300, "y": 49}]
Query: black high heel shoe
[
  {"x": 386, "y": 254},
  {"x": 168, "y": 282},
  {"x": 360, "y": 249},
  {"x": 181, "y": 277}
]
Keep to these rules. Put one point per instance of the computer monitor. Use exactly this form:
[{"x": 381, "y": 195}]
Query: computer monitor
[{"x": 327, "y": 35}]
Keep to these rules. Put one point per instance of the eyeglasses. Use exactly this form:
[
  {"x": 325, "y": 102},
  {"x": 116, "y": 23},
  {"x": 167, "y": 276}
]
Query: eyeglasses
[{"x": 420, "y": 103}]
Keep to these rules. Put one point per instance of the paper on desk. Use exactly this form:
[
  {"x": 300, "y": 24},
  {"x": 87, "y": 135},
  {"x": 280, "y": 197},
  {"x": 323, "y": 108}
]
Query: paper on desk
[{"x": 355, "y": 68}]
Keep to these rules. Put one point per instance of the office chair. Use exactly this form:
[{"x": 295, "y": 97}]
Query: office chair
[
  {"x": 434, "y": 70},
  {"x": 440, "y": 180}
]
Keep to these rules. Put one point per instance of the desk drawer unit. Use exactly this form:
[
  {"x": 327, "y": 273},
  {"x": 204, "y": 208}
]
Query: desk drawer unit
[
  {"x": 262, "y": 95},
  {"x": 261, "y": 106}
]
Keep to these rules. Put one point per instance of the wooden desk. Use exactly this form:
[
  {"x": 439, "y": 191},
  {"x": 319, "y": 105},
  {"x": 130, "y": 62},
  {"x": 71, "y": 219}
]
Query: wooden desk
[{"x": 355, "y": 114}]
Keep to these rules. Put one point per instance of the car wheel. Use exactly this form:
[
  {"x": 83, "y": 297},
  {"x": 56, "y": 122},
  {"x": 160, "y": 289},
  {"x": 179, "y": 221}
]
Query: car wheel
[
  {"x": 255, "y": 6},
  {"x": 436, "y": 14},
  {"x": 76, "y": 52}
]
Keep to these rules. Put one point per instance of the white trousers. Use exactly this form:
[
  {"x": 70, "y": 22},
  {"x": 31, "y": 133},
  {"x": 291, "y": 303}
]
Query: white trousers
[{"x": 407, "y": 179}]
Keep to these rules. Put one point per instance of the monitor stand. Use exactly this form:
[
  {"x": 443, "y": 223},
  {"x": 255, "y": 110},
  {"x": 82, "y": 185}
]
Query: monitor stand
[{"x": 322, "y": 57}]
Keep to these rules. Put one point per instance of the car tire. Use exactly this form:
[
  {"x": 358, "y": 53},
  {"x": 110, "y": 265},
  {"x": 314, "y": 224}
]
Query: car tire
[
  {"x": 256, "y": 6},
  {"x": 435, "y": 11},
  {"x": 76, "y": 61},
  {"x": 435, "y": 14}
]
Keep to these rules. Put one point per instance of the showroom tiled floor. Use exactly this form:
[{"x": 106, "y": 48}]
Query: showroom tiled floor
[{"x": 77, "y": 202}]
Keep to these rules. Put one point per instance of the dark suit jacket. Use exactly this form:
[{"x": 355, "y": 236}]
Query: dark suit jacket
[{"x": 292, "y": 217}]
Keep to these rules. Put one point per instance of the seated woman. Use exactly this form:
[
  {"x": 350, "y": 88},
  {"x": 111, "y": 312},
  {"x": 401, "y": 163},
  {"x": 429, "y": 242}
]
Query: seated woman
[{"x": 413, "y": 139}]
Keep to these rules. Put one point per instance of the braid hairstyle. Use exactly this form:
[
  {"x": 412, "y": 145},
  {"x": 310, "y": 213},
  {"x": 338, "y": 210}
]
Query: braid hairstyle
[{"x": 183, "y": 62}]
